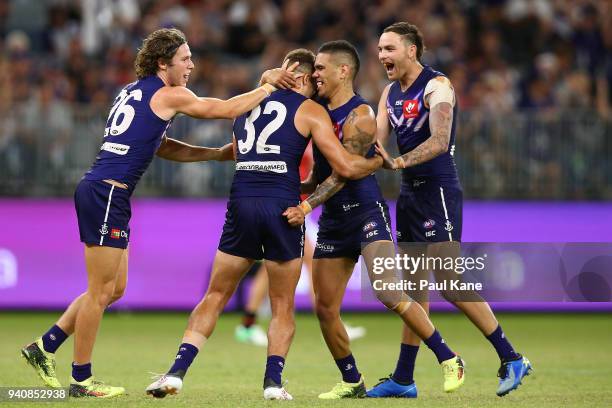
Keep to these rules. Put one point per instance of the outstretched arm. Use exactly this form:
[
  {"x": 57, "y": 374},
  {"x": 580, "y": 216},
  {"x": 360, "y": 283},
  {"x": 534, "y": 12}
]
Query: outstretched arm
[
  {"x": 181, "y": 100},
  {"x": 175, "y": 150},
  {"x": 169, "y": 101}
]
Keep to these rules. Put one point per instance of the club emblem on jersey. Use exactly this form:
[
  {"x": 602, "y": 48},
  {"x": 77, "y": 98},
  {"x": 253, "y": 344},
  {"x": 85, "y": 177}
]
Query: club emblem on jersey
[
  {"x": 104, "y": 229},
  {"x": 449, "y": 226},
  {"x": 411, "y": 108}
]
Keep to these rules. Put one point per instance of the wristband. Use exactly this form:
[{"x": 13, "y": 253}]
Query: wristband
[
  {"x": 306, "y": 207},
  {"x": 268, "y": 89}
]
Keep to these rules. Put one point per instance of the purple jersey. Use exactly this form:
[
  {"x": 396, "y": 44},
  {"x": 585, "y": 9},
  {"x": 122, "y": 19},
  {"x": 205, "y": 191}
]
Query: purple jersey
[
  {"x": 269, "y": 149},
  {"x": 355, "y": 193},
  {"x": 410, "y": 120},
  {"x": 132, "y": 136}
]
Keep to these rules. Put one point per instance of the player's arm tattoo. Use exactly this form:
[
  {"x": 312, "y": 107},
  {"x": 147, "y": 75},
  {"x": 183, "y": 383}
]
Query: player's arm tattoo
[
  {"x": 325, "y": 190},
  {"x": 440, "y": 124},
  {"x": 355, "y": 140}
]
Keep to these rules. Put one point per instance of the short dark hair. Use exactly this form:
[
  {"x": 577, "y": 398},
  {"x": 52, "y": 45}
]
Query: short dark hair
[
  {"x": 159, "y": 45},
  {"x": 342, "y": 47},
  {"x": 306, "y": 60},
  {"x": 409, "y": 32}
]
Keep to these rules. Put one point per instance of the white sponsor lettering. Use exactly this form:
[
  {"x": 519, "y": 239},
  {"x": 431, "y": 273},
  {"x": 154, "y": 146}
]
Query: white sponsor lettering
[
  {"x": 325, "y": 247},
  {"x": 371, "y": 234},
  {"x": 348, "y": 207},
  {"x": 116, "y": 148},
  {"x": 265, "y": 166},
  {"x": 430, "y": 233}
]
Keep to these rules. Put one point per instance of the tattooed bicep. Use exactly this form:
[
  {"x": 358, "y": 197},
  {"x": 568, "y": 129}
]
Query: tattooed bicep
[{"x": 359, "y": 131}]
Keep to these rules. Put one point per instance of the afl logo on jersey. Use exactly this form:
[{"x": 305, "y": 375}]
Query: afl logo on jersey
[{"x": 411, "y": 108}]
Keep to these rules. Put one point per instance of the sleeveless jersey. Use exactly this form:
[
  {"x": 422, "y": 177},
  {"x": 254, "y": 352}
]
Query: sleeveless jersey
[
  {"x": 410, "y": 119},
  {"x": 269, "y": 149},
  {"x": 132, "y": 135},
  {"x": 355, "y": 192}
]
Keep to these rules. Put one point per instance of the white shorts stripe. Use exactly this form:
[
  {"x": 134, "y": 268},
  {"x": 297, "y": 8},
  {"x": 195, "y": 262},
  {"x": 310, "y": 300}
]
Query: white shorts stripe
[
  {"x": 382, "y": 211},
  {"x": 110, "y": 197},
  {"x": 450, "y": 236}
]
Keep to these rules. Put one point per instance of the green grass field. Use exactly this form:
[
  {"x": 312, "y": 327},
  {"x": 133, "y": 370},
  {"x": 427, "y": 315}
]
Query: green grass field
[{"x": 571, "y": 355}]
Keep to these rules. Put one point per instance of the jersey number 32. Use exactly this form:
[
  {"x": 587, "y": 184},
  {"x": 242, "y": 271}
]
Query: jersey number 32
[{"x": 245, "y": 146}]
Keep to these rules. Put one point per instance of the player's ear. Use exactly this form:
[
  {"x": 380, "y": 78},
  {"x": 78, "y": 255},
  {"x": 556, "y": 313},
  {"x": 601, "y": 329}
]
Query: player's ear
[
  {"x": 161, "y": 64},
  {"x": 345, "y": 71}
]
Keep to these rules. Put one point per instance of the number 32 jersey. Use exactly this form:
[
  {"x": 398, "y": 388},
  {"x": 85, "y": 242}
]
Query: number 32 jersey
[
  {"x": 132, "y": 135},
  {"x": 269, "y": 149}
]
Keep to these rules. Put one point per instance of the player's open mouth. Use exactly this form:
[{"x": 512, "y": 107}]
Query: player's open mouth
[
  {"x": 319, "y": 84},
  {"x": 389, "y": 67},
  {"x": 186, "y": 77}
]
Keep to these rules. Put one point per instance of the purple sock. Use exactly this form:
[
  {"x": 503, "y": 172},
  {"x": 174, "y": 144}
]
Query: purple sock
[
  {"x": 185, "y": 356},
  {"x": 348, "y": 368},
  {"x": 438, "y": 346},
  {"x": 53, "y": 339},
  {"x": 404, "y": 370},
  {"x": 504, "y": 349},
  {"x": 81, "y": 372},
  {"x": 274, "y": 369}
]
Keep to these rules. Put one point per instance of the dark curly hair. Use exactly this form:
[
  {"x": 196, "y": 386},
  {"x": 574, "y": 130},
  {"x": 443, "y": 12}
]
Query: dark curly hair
[{"x": 159, "y": 45}]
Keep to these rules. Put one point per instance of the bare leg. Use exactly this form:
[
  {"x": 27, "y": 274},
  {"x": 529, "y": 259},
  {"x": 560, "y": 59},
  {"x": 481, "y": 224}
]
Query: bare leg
[
  {"x": 283, "y": 278},
  {"x": 421, "y": 296},
  {"x": 470, "y": 303},
  {"x": 330, "y": 277},
  {"x": 258, "y": 290},
  {"x": 227, "y": 272},
  {"x": 410, "y": 312},
  {"x": 102, "y": 271},
  {"x": 67, "y": 321}
]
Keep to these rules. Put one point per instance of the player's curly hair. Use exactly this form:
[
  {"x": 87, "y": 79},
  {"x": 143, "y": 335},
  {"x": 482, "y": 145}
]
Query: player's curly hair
[
  {"x": 409, "y": 32},
  {"x": 159, "y": 45},
  {"x": 306, "y": 59}
]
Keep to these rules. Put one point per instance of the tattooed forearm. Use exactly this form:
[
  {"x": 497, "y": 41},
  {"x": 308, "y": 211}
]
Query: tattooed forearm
[
  {"x": 440, "y": 124},
  {"x": 325, "y": 190}
]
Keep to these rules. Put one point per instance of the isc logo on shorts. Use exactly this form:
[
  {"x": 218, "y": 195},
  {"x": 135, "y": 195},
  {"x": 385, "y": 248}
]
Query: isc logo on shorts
[{"x": 411, "y": 108}]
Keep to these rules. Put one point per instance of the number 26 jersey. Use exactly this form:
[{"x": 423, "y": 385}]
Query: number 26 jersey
[{"x": 132, "y": 135}]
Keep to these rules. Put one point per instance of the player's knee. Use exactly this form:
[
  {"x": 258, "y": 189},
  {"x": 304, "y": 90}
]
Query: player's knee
[
  {"x": 217, "y": 298},
  {"x": 117, "y": 294},
  {"x": 450, "y": 296},
  {"x": 391, "y": 298},
  {"x": 326, "y": 312},
  {"x": 102, "y": 298}
]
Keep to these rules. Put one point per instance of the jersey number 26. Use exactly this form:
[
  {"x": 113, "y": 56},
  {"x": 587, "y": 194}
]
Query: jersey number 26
[{"x": 121, "y": 115}]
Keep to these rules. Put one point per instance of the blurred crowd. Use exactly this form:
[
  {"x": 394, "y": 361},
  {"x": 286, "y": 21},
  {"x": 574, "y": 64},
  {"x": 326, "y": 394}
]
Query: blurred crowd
[{"x": 63, "y": 61}]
